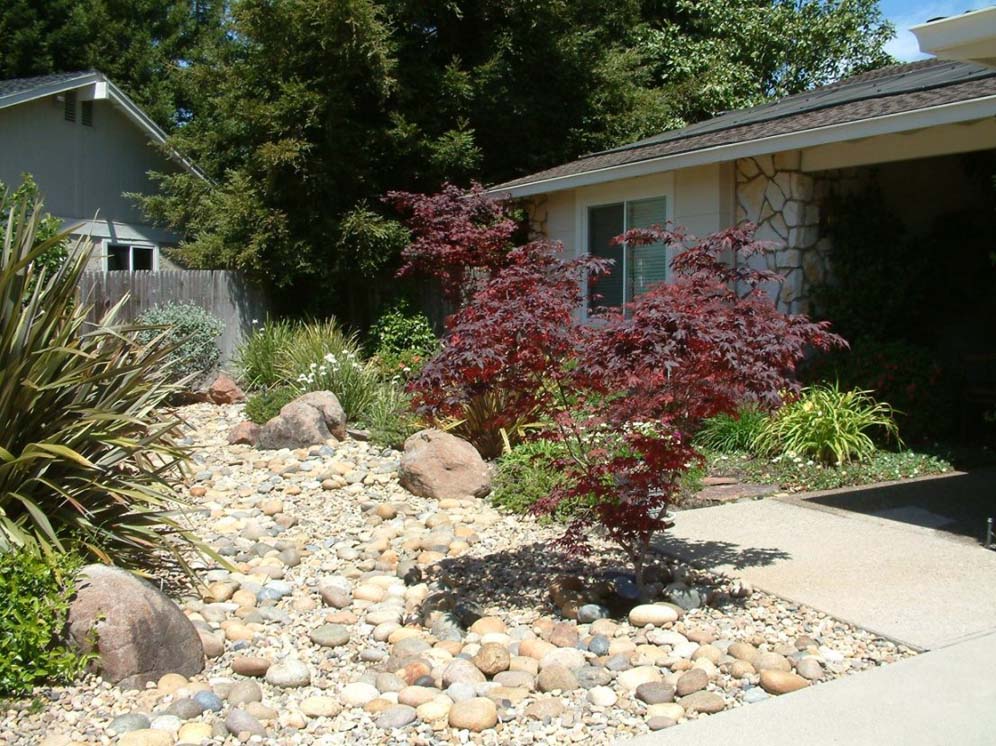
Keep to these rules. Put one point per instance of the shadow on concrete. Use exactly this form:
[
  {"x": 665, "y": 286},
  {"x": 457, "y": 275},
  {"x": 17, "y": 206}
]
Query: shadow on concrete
[
  {"x": 713, "y": 554},
  {"x": 959, "y": 503}
]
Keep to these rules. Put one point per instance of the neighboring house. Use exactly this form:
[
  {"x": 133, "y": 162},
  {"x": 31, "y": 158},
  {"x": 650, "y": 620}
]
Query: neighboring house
[
  {"x": 87, "y": 145},
  {"x": 906, "y": 126}
]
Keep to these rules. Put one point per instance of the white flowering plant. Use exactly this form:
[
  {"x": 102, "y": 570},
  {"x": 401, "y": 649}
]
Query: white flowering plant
[{"x": 322, "y": 357}]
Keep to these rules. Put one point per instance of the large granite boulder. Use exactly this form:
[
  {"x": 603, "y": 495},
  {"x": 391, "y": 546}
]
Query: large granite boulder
[
  {"x": 137, "y": 632},
  {"x": 439, "y": 465},
  {"x": 307, "y": 421}
]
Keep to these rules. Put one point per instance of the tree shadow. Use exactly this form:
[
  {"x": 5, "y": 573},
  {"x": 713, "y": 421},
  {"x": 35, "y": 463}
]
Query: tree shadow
[
  {"x": 957, "y": 503},
  {"x": 518, "y": 580},
  {"x": 711, "y": 554}
]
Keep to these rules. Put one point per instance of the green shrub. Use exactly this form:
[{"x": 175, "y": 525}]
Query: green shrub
[
  {"x": 400, "y": 329},
  {"x": 265, "y": 405},
  {"x": 728, "y": 433},
  {"x": 907, "y": 376},
  {"x": 527, "y": 474},
  {"x": 191, "y": 331},
  {"x": 312, "y": 356},
  {"x": 86, "y": 455},
  {"x": 34, "y": 595},
  {"x": 48, "y": 225},
  {"x": 320, "y": 356},
  {"x": 402, "y": 341},
  {"x": 257, "y": 356},
  {"x": 389, "y": 416},
  {"x": 829, "y": 425}
]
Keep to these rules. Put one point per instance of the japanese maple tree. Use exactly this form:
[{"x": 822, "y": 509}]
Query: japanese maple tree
[
  {"x": 504, "y": 353},
  {"x": 702, "y": 344},
  {"x": 624, "y": 391},
  {"x": 459, "y": 237}
]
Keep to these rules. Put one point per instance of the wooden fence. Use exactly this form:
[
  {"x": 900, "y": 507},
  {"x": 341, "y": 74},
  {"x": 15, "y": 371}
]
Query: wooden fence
[{"x": 228, "y": 295}]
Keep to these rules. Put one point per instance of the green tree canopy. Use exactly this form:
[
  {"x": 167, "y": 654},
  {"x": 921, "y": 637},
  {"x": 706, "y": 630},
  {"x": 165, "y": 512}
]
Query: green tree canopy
[
  {"x": 304, "y": 112},
  {"x": 139, "y": 44}
]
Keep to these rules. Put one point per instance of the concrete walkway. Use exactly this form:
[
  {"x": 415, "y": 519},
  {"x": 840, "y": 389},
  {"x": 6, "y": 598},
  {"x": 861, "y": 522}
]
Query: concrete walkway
[
  {"x": 915, "y": 585},
  {"x": 942, "y": 697},
  {"x": 930, "y": 589}
]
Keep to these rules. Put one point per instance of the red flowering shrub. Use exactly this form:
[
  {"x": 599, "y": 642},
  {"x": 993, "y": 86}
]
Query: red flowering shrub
[{"x": 625, "y": 392}]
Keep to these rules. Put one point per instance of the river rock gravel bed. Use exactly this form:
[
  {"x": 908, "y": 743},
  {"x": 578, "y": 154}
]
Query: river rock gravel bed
[{"x": 357, "y": 613}]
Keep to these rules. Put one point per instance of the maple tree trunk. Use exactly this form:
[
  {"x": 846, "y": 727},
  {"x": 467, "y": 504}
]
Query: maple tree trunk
[{"x": 638, "y": 558}]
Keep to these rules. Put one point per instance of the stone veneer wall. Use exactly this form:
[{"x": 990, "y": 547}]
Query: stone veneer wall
[
  {"x": 784, "y": 202},
  {"x": 538, "y": 215}
]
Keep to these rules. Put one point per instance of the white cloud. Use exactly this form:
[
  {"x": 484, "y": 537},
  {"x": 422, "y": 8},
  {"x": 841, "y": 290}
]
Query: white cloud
[{"x": 903, "y": 45}]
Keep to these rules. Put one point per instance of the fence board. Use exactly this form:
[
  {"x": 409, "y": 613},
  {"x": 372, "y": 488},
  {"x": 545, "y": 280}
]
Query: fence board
[{"x": 228, "y": 295}]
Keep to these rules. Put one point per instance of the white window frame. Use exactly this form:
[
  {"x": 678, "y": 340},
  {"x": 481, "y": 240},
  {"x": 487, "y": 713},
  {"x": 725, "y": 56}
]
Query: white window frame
[
  {"x": 132, "y": 245},
  {"x": 614, "y": 193}
]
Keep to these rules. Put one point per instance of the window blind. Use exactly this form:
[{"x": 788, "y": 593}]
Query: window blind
[{"x": 646, "y": 265}]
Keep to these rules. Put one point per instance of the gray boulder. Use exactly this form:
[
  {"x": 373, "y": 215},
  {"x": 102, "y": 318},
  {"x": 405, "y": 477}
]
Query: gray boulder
[
  {"x": 439, "y": 465},
  {"x": 137, "y": 632},
  {"x": 309, "y": 420}
]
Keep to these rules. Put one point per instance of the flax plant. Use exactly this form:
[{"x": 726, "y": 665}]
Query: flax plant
[{"x": 88, "y": 456}]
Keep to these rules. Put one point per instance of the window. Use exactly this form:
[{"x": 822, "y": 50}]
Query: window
[
  {"x": 122, "y": 257},
  {"x": 635, "y": 268},
  {"x": 69, "y": 106},
  {"x": 86, "y": 113}
]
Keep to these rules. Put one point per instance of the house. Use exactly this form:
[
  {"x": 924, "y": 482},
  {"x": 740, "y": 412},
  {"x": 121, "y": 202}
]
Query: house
[
  {"x": 913, "y": 128},
  {"x": 87, "y": 144}
]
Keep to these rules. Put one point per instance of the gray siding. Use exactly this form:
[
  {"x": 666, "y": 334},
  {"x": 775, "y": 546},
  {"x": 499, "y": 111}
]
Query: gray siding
[{"x": 82, "y": 171}]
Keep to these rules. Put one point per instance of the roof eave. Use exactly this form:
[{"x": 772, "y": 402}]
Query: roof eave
[
  {"x": 49, "y": 89},
  {"x": 970, "y": 37},
  {"x": 952, "y": 113}
]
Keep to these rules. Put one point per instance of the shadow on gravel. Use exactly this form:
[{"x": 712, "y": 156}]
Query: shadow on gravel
[
  {"x": 708, "y": 555},
  {"x": 518, "y": 579}
]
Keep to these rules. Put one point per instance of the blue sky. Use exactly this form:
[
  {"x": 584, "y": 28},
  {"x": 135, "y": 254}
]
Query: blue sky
[{"x": 906, "y": 13}]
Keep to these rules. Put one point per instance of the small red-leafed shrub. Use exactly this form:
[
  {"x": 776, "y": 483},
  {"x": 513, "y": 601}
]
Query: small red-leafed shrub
[
  {"x": 625, "y": 392},
  {"x": 504, "y": 356}
]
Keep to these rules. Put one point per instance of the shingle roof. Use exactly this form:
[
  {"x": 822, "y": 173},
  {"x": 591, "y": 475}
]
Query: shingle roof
[
  {"x": 21, "y": 85},
  {"x": 889, "y": 90}
]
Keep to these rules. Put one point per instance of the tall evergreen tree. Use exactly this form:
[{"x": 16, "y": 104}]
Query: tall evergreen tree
[{"x": 139, "y": 44}]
